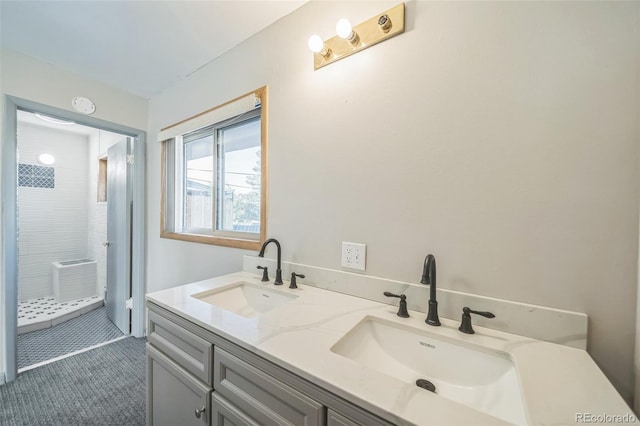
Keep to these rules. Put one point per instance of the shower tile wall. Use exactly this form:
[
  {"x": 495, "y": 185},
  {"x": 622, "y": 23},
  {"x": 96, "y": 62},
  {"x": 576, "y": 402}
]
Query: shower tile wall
[{"x": 52, "y": 222}]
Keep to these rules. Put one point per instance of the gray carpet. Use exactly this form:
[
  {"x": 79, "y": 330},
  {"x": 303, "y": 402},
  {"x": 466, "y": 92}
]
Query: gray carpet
[
  {"x": 78, "y": 333},
  {"x": 103, "y": 386}
]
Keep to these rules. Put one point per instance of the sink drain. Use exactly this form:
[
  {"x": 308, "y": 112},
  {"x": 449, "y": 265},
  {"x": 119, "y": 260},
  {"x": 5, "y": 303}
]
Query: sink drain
[{"x": 425, "y": 384}]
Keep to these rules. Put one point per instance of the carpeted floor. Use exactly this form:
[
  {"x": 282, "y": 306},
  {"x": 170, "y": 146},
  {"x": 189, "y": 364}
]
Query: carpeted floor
[
  {"x": 78, "y": 333},
  {"x": 104, "y": 386}
]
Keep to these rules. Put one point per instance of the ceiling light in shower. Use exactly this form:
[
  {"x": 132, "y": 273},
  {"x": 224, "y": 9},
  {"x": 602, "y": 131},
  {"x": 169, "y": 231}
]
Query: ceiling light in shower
[
  {"x": 46, "y": 159},
  {"x": 52, "y": 119}
]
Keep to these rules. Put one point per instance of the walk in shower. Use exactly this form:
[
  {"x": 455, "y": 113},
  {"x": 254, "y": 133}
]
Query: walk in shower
[{"x": 62, "y": 235}]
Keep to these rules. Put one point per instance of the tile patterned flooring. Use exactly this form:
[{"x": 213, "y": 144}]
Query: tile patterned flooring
[
  {"x": 86, "y": 330},
  {"x": 45, "y": 312}
]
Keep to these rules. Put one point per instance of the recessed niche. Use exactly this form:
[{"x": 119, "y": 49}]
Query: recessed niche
[{"x": 102, "y": 180}]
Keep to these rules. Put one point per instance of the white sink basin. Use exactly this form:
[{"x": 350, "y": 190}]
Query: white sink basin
[
  {"x": 242, "y": 298},
  {"x": 471, "y": 375}
]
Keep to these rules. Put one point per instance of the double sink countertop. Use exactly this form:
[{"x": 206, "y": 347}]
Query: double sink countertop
[{"x": 559, "y": 384}]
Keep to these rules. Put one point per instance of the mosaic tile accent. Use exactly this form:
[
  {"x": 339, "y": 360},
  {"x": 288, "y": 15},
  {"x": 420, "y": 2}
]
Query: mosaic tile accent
[{"x": 33, "y": 176}]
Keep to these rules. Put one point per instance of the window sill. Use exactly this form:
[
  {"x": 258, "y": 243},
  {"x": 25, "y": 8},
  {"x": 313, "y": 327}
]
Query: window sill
[{"x": 218, "y": 241}]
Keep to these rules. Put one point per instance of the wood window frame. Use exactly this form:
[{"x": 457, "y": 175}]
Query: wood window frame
[{"x": 224, "y": 241}]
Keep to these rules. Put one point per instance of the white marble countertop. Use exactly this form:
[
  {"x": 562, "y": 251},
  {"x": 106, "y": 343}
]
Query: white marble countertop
[{"x": 558, "y": 383}]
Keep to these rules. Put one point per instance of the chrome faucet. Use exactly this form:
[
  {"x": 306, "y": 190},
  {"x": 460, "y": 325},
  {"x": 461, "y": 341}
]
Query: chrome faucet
[
  {"x": 278, "y": 280},
  {"x": 429, "y": 277}
]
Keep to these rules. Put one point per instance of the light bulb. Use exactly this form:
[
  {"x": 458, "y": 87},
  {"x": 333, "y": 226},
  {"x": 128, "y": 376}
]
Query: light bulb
[
  {"x": 315, "y": 43},
  {"x": 343, "y": 28},
  {"x": 46, "y": 159}
]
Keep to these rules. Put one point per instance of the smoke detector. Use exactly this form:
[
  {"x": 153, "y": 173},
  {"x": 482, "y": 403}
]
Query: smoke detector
[{"x": 83, "y": 105}]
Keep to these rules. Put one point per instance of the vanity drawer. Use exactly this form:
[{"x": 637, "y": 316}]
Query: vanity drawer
[
  {"x": 223, "y": 413},
  {"x": 264, "y": 398},
  {"x": 337, "y": 419},
  {"x": 190, "y": 351}
]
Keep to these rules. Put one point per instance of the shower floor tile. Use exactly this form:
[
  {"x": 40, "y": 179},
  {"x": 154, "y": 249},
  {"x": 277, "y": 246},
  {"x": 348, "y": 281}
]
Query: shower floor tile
[
  {"x": 85, "y": 331},
  {"x": 45, "y": 312}
]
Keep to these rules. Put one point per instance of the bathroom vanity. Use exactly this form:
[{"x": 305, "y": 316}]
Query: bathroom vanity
[
  {"x": 199, "y": 378},
  {"x": 235, "y": 349}
]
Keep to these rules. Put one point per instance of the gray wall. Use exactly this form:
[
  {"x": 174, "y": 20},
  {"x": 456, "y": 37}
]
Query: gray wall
[
  {"x": 501, "y": 136},
  {"x": 636, "y": 404}
]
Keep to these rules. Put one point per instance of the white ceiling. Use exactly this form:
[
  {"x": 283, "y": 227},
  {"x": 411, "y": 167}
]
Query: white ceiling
[{"x": 141, "y": 47}]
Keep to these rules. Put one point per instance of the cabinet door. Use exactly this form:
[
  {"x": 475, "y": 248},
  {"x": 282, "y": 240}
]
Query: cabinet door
[{"x": 174, "y": 397}]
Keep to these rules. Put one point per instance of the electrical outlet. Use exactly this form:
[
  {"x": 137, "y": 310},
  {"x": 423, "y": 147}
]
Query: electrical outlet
[{"x": 354, "y": 255}]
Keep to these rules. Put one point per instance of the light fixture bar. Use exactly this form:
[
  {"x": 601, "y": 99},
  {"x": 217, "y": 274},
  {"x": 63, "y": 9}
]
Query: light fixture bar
[{"x": 372, "y": 31}]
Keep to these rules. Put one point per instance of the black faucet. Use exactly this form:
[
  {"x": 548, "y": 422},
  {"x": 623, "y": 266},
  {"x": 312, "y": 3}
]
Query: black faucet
[
  {"x": 429, "y": 277},
  {"x": 465, "y": 324},
  {"x": 278, "y": 280}
]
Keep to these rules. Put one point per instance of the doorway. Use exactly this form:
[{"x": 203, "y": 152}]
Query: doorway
[{"x": 126, "y": 241}]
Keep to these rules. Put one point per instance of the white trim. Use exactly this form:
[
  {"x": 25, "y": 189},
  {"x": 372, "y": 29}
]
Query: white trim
[{"x": 70, "y": 354}]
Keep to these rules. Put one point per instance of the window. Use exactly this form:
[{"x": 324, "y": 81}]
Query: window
[{"x": 214, "y": 181}]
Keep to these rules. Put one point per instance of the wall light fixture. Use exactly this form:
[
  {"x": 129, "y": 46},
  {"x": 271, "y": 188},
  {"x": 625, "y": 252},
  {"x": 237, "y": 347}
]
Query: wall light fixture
[{"x": 350, "y": 40}]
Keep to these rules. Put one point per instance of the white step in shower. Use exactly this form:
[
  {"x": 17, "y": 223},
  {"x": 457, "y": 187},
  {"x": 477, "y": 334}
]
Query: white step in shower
[{"x": 74, "y": 279}]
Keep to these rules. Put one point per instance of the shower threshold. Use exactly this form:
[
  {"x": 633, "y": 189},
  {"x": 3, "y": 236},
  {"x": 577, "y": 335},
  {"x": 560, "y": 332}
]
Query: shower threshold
[{"x": 45, "y": 312}]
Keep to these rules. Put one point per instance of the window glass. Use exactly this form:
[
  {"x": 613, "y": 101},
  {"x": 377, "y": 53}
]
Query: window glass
[
  {"x": 238, "y": 150},
  {"x": 198, "y": 184}
]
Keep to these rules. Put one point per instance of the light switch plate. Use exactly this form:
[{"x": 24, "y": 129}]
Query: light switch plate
[{"x": 354, "y": 256}]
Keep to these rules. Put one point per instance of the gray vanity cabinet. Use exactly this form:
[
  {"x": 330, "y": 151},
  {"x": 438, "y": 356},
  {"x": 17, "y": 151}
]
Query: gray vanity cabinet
[
  {"x": 175, "y": 395},
  {"x": 196, "y": 377}
]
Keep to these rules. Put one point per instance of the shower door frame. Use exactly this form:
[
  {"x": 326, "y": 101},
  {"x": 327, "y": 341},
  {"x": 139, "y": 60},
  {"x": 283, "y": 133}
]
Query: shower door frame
[{"x": 9, "y": 265}]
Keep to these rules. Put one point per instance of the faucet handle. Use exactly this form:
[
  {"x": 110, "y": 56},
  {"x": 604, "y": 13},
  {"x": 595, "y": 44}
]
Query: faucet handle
[
  {"x": 465, "y": 324},
  {"x": 481, "y": 313},
  {"x": 265, "y": 273},
  {"x": 293, "y": 279},
  {"x": 402, "y": 307}
]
